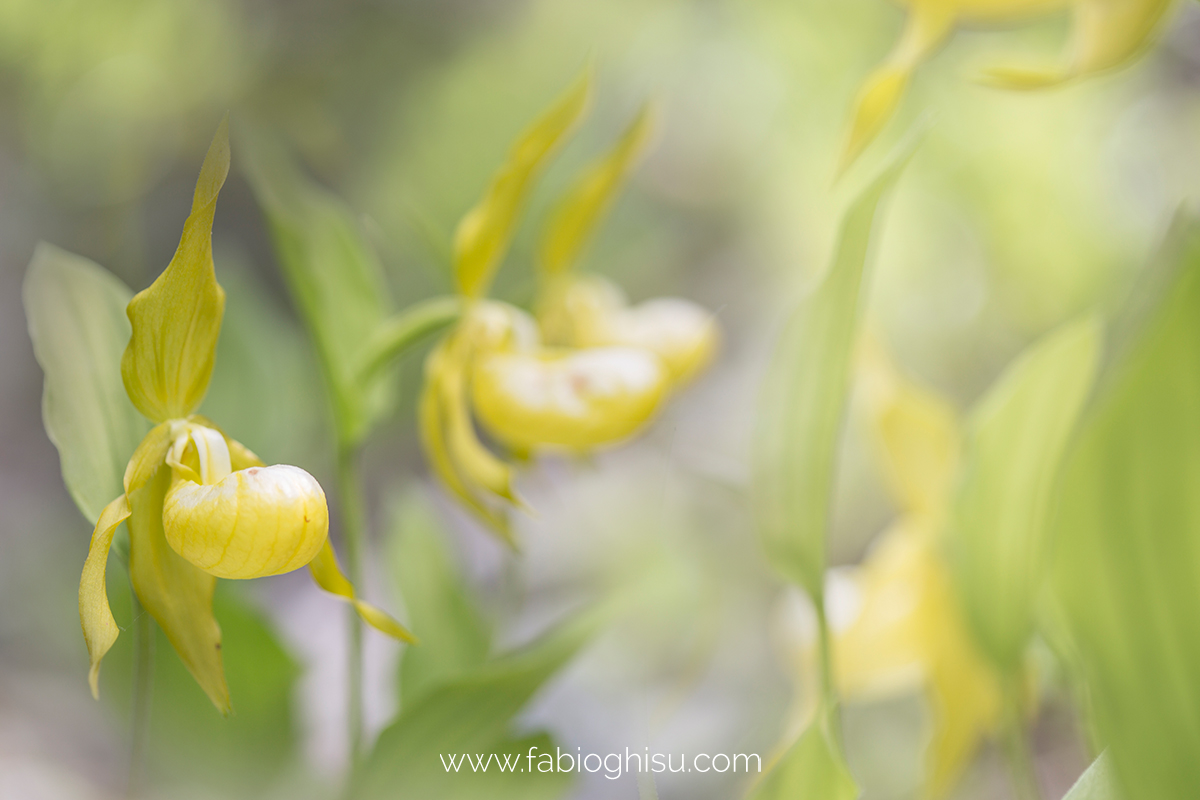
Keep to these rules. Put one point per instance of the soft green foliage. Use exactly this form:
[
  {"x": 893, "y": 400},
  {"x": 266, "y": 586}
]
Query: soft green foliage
[
  {"x": 1017, "y": 437},
  {"x": 1127, "y": 569},
  {"x": 1097, "y": 783},
  {"x": 462, "y": 701},
  {"x": 76, "y": 312},
  {"x": 811, "y": 769},
  {"x": 454, "y": 636},
  {"x": 238, "y": 755},
  {"x": 334, "y": 277},
  {"x": 804, "y": 397}
]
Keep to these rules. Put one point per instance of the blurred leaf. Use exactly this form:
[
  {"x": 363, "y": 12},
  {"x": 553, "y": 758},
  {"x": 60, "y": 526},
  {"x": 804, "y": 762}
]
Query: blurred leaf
[
  {"x": 470, "y": 714},
  {"x": 1127, "y": 566},
  {"x": 811, "y": 769},
  {"x": 334, "y": 277},
  {"x": 454, "y": 636},
  {"x": 1097, "y": 783},
  {"x": 1017, "y": 436},
  {"x": 192, "y": 744},
  {"x": 804, "y": 397},
  {"x": 77, "y": 321}
]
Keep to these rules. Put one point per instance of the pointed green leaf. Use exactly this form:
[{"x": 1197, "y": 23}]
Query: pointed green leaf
[
  {"x": 1017, "y": 436},
  {"x": 1127, "y": 563},
  {"x": 454, "y": 636},
  {"x": 333, "y": 275},
  {"x": 804, "y": 397},
  {"x": 811, "y": 769},
  {"x": 1097, "y": 783},
  {"x": 176, "y": 321},
  {"x": 470, "y": 714},
  {"x": 76, "y": 313}
]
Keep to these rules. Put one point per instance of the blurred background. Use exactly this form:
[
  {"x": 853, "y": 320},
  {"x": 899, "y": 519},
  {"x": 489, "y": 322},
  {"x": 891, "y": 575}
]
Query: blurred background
[{"x": 1018, "y": 211}]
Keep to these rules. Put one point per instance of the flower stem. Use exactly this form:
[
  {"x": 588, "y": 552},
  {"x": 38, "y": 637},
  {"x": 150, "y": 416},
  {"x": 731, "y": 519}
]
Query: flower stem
[
  {"x": 143, "y": 688},
  {"x": 828, "y": 699},
  {"x": 1016, "y": 747},
  {"x": 352, "y": 503}
]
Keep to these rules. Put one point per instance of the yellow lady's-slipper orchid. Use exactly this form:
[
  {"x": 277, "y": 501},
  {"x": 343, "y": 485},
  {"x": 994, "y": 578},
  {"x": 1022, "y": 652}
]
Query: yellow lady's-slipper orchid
[
  {"x": 200, "y": 506},
  {"x": 1106, "y": 33},
  {"x": 529, "y": 390},
  {"x": 907, "y": 629}
]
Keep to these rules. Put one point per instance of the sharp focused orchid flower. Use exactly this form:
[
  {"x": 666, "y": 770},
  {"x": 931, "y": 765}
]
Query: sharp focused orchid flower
[
  {"x": 532, "y": 388},
  {"x": 1106, "y": 33},
  {"x": 200, "y": 506},
  {"x": 905, "y": 629}
]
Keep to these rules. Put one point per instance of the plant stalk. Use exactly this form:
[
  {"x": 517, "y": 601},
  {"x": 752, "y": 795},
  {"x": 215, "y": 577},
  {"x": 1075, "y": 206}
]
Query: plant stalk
[
  {"x": 143, "y": 689},
  {"x": 352, "y": 507},
  {"x": 1016, "y": 747}
]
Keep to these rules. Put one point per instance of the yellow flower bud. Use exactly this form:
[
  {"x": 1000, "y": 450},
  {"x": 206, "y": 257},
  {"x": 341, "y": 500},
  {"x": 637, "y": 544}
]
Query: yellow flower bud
[{"x": 255, "y": 522}]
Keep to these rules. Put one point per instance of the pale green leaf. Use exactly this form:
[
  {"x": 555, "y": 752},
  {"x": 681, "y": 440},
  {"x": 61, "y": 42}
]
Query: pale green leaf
[
  {"x": 454, "y": 636},
  {"x": 811, "y": 769},
  {"x": 472, "y": 714},
  {"x": 76, "y": 313},
  {"x": 1127, "y": 561},
  {"x": 332, "y": 273},
  {"x": 1099, "y": 782},
  {"x": 804, "y": 397},
  {"x": 1016, "y": 439}
]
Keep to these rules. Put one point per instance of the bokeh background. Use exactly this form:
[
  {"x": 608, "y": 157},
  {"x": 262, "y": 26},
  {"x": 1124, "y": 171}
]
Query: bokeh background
[{"x": 1019, "y": 211}]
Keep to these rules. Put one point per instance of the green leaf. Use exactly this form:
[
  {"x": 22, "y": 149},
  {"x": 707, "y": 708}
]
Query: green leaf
[
  {"x": 471, "y": 714},
  {"x": 804, "y": 397},
  {"x": 191, "y": 744},
  {"x": 333, "y": 275},
  {"x": 1127, "y": 563},
  {"x": 811, "y": 769},
  {"x": 454, "y": 636},
  {"x": 76, "y": 313},
  {"x": 1098, "y": 782},
  {"x": 1017, "y": 436}
]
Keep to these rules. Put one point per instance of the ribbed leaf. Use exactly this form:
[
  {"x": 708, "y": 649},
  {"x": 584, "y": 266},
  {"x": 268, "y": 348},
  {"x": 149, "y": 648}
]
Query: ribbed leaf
[
  {"x": 1016, "y": 440},
  {"x": 76, "y": 313}
]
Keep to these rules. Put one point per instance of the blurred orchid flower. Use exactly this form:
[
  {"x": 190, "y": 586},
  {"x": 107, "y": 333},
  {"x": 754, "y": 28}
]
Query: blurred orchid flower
[
  {"x": 1106, "y": 33},
  {"x": 200, "y": 505},
  {"x": 586, "y": 311},
  {"x": 905, "y": 629},
  {"x": 535, "y": 387}
]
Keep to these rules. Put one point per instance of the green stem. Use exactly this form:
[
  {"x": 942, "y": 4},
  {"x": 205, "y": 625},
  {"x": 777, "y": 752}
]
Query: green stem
[
  {"x": 401, "y": 331},
  {"x": 143, "y": 688},
  {"x": 828, "y": 699},
  {"x": 1016, "y": 747},
  {"x": 352, "y": 505}
]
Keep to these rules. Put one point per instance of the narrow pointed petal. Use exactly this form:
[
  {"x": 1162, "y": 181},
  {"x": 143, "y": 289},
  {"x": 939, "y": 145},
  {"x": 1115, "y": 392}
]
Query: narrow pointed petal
[
  {"x": 329, "y": 576},
  {"x": 485, "y": 231},
  {"x": 586, "y": 203},
  {"x": 919, "y": 434},
  {"x": 1106, "y": 34},
  {"x": 929, "y": 23},
  {"x": 255, "y": 522},
  {"x": 478, "y": 466},
  {"x": 577, "y": 400},
  {"x": 169, "y": 360},
  {"x": 177, "y": 594},
  {"x": 149, "y": 456},
  {"x": 431, "y": 427},
  {"x": 99, "y": 628}
]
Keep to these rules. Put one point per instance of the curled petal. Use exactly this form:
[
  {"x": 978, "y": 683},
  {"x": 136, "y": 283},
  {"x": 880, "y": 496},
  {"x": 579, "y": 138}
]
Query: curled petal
[
  {"x": 255, "y": 522},
  {"x": 150, "y": 455},
  {"x": 571, "y": 399},
  {"x": 328, "y": 575},
  {"x": 99, "y": 628}
]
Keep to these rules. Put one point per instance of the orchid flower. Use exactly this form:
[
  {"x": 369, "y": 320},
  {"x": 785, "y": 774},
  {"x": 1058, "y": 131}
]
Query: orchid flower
[
  {"x": 530, "y": 389},
  {"x": 906, "y": 629},
  {"x": 199, "y": 505},
  {"x": 1106, "y": 33}
]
